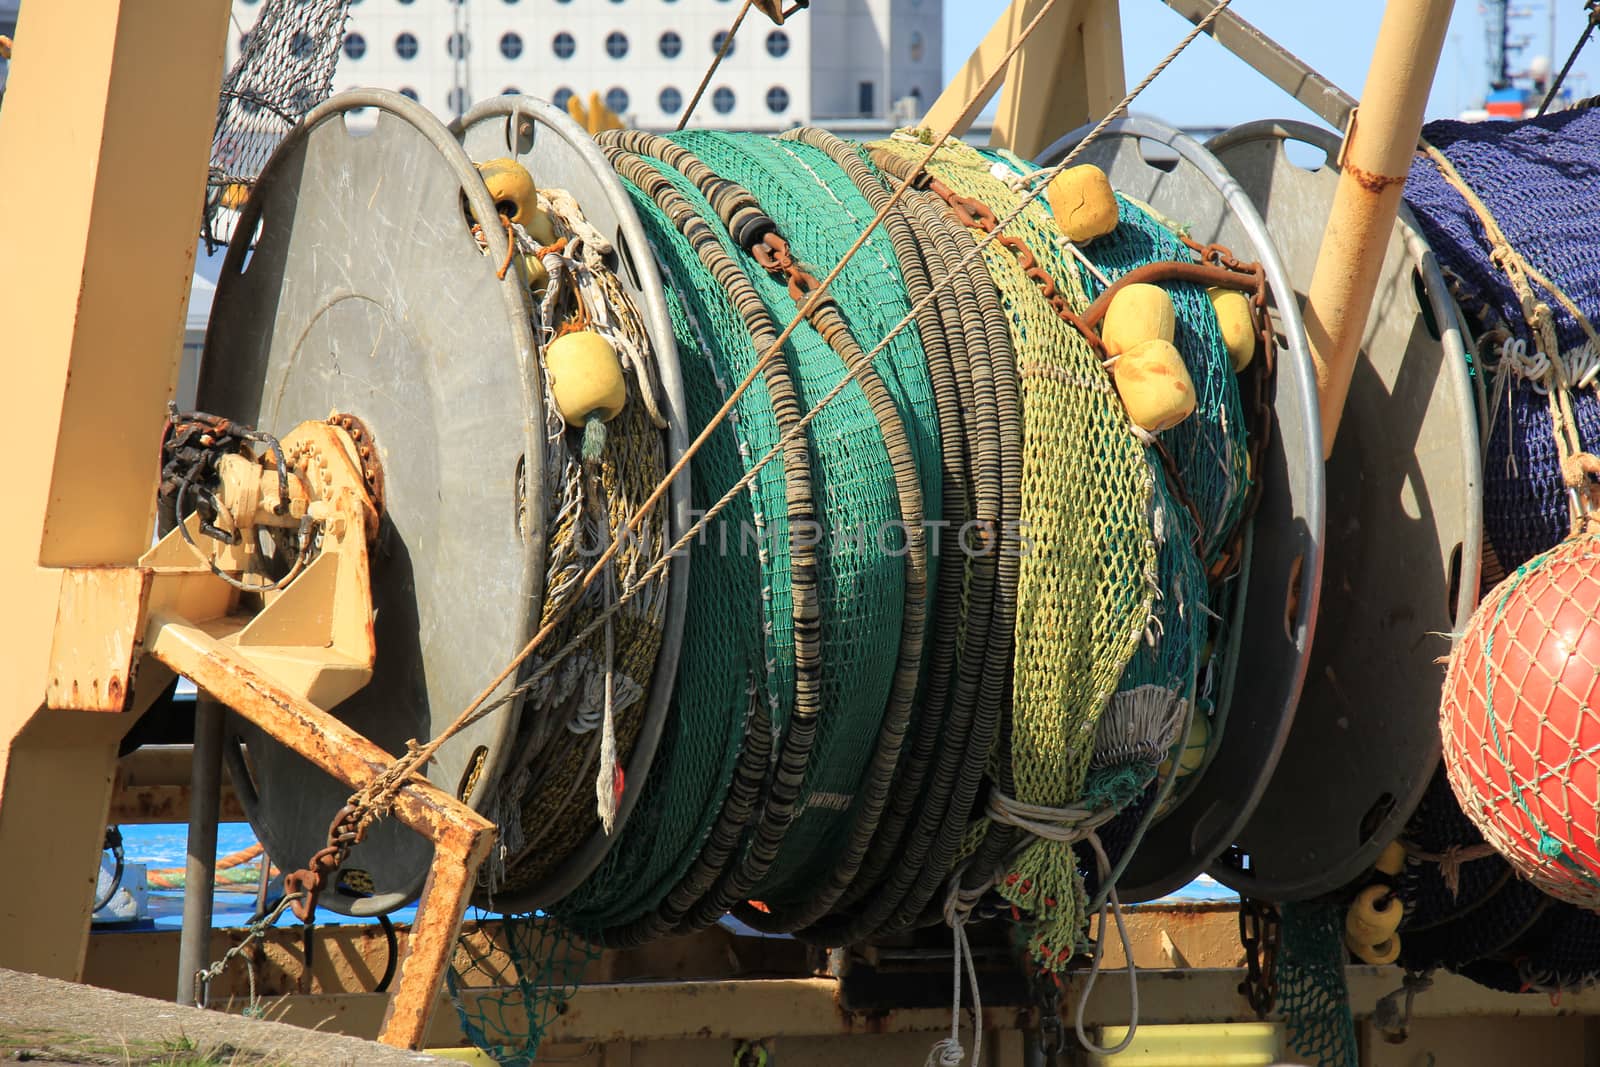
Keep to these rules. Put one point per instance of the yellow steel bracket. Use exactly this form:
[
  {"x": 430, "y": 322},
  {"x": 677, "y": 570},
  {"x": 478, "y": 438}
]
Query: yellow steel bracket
[
  {"x": 282, "y": 662},
  {"x": 1067, "y": 73},
  {"x": 280, "y": 658}
]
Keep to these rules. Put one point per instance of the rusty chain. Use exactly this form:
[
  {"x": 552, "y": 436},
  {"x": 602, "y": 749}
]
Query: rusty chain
[
  {"x": 1259, "y": 928},
  {"x": 773, "y": 255},
  {"x": 1258, "y": 404},
  {"x": 346, "y": 831}
]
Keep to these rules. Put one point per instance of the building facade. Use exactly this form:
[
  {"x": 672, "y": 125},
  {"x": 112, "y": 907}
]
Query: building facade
[{"x": 861, "y": 63}]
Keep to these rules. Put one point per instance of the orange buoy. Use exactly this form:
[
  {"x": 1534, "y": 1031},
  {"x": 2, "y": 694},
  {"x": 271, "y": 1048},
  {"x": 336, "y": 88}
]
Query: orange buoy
[{"x": 1520, "y": 720}]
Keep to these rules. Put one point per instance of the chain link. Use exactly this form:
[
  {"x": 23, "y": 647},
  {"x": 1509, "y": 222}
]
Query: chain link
[{"x": 1259, "y": 929}]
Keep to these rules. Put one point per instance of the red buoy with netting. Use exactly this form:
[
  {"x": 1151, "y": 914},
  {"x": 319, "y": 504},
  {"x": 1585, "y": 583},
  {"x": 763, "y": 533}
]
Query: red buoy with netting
[{"x": 1521, "y": 720}]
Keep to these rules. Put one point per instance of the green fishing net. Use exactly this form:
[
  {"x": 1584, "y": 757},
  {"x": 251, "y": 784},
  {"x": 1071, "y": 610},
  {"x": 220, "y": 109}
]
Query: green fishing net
[
  {"x": 507, "y": 1014},
  {"x": 1312, "y": 994}
]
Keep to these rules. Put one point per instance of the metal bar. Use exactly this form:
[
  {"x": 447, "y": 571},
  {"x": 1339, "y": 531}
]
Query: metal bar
[
  {"x": 93, "y": 350},
  {"x": 200, "y": 868},
  {"x": 799, "y": 1008},
  {"x": 433, "y": 939},
  {"x": 461, "y": 836},
  {"x": 1273, "y": 62},
  {"x": 977, "y": 79},
  {"x": 1377, "y": 157},
  {"x": 1069, "y": 73}
]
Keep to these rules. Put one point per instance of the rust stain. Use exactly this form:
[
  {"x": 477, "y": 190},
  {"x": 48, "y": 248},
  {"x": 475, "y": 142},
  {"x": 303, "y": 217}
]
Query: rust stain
[
  {"x": 1372, "y": 181},
  {"x": 114, "y": 692}
]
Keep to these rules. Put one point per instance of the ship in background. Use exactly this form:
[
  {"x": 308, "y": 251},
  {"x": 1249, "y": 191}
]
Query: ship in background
[{"x": 1518, "y": 93}]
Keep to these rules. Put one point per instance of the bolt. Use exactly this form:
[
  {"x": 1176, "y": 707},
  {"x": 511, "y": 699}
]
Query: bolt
[
  {"x": 369, "y": 473},
  {"x": 366, "y": 451}
]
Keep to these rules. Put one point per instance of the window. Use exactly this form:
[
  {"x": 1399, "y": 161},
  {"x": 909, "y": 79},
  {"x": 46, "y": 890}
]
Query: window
[
  {"x": 671, "y": 45},
  {"x": 617, "y": 99},
  {"x": 722, "y": 100},
  {"x": 458, "y": 100},
  {"x": 244, "y": 41},
  {"x": 511, "y": 45},
  {"x": 616, "y": 44},
  {"x": 406, "y": 1},
  {"x": 560, "y": 97},
  {"x": 405, "y": 46},
  {"x": 919, "y": 48},
  {"x": 457, "y": 45},
  {"x": 718, "y": 39},
  {"x": 408, "y": 92},
  {"x": 511, "y": 90},
  {"x": 564, "y": 45},
  {"x": 777, "y": 100},
  {"x": 510, "y": 1},
  {"x": 301, "y": 45},
  {"x": 300, "y": 101},
  {"x": 355, "y": 45},
  {"x": 777, "y": 44},
  {"x": 671, "y": 101},
  {"x": 865, "y": 98}
]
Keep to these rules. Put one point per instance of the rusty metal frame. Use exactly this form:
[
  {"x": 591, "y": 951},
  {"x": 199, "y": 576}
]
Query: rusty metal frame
[{"x": 307, "y": 648}]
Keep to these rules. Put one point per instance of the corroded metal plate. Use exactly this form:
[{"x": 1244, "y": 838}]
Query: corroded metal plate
[
  {"x": 364, "y": 291},
  {"x": 1400, "y": 572}
]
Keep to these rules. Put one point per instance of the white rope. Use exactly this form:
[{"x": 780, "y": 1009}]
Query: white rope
[
  {"x": 958, "y": 906},
  {"x": 1067, "y": 826},
  {"x": 1115, "y": 907}
]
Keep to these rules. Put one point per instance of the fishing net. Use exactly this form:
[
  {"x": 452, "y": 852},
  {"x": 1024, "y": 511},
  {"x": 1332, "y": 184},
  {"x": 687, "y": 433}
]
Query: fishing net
[
  {"x": 1536, "y": 178},
  {"x": 737, "y": 609},
  {"x": 507, "y": 1003},
  {"x": 1312, "y": 994},
  {"x": 1209, "y": 448},
  {"x": 541, "y": 807},
  {"x": 1088, "y": 576},
  {"x": 861, "y": 577},
  {"x": 285, "y": 68}
]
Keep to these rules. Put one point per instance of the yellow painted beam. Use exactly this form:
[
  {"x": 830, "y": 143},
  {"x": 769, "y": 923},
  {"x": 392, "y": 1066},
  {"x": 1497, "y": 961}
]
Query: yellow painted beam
[
  {"x": 1372, "y": 175},
  {"x": 104, "y": 140},
  {"x": 1068, "y": 72}
]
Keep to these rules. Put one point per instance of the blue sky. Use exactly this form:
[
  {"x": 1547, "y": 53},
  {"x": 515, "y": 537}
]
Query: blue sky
[{"x": 1208, "y": 87}]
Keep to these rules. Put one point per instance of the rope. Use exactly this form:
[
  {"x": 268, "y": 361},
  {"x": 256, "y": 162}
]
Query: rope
[
  {"x": 1572, "y": 57},
  {"x": 1522, "y": 274},
  {"x": 727, "y": 46}
]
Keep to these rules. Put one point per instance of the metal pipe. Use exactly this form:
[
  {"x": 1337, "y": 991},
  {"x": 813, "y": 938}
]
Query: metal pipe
[
  {"x": 200, "y": 869},
  {"x": 1272, "y": 61},
  {"x": 1381, "y": 139}
]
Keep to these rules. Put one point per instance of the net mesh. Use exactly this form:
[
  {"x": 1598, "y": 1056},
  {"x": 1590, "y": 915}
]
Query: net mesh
[
  {"x": 509, "y": 989},
  {"x": 1311, "y": 985},
  {"x": 1088, "y": 574},
  {"x": 285, "y": 68},
  {"x": 1536, "y": 178},
  {"x": 1209, "y": 448}
]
